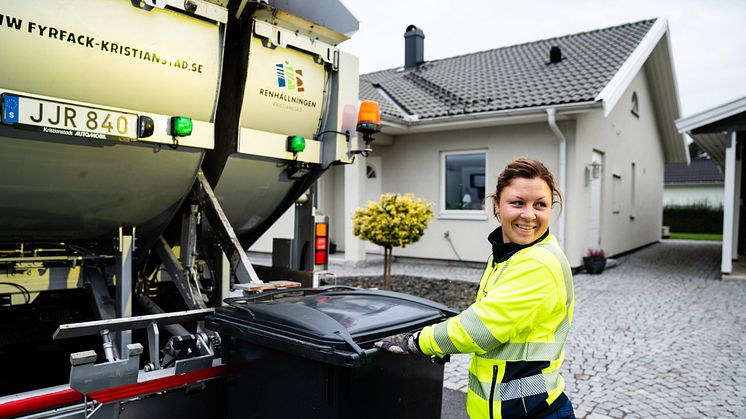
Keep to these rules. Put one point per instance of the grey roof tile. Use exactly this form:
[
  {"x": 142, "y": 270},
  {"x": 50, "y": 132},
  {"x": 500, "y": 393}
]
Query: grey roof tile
[
  {"x": 512, "y": 77},
  {"x": 698, "y": 171}
]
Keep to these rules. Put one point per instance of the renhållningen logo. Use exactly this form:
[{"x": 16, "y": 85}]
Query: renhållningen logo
[{"x": 289, "y": 77}]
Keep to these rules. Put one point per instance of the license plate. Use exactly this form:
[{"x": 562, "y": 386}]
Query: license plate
[{"x": 62, "y": 118}]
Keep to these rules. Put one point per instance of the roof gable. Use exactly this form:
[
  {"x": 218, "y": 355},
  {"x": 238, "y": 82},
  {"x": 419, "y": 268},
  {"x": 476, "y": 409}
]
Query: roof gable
[{"x": 506, "y": 78}]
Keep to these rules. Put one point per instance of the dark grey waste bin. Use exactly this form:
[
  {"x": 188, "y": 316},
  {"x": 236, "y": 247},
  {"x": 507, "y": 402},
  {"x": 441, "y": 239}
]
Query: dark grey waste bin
[{"x": 309, "y": 354}]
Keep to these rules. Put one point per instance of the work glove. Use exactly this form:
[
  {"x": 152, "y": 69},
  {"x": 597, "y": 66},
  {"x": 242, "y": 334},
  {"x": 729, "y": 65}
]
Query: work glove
[{"x": 403, "y": 344}]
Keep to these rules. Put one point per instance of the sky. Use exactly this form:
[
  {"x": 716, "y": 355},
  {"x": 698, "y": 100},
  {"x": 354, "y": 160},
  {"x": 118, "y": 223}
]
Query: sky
[{"x": 708, "y": 43}]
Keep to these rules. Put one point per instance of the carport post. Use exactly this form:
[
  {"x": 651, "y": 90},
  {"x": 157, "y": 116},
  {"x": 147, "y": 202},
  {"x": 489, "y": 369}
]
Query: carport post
[
  {"x": 736, "y": 202},
  {"x": 729, "y": 198}
]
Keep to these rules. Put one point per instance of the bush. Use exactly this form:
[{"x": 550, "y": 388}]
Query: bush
[
  {"x": 694, "y": 218},
  {"x": 394, "y": 221}
]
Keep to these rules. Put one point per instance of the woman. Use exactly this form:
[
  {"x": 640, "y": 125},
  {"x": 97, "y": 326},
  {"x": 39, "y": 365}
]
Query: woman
[{"x": 517, "y": 327}]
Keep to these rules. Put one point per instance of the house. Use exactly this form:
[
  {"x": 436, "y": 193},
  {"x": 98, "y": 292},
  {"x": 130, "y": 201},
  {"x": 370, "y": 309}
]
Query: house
[
  {"x": 698, "y": 183},
  {"x": 718, "y": 131},
  {"x": 596, "y": 107}
]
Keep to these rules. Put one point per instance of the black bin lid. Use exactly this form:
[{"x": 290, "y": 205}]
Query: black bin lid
[{"x": 330, "y": 324}]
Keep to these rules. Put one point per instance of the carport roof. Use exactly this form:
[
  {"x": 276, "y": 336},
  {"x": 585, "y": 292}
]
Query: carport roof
[{"x": 709, "y": 128}]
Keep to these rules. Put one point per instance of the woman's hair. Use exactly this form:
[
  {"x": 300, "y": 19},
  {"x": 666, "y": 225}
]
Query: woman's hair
[{"x": 526, "y": 168}]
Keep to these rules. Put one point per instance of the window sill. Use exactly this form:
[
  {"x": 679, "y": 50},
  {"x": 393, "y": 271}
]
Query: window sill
[{"x": 473, "y": 216}]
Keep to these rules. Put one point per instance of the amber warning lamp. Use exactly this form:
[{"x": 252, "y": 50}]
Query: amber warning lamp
[
  {"x": 368, "y": 123},
  {"x": 369, "y": 118}
]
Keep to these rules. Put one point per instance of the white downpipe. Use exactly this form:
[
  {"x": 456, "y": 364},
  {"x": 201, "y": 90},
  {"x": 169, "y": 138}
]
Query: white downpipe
[{"x": 551, "y": 119}]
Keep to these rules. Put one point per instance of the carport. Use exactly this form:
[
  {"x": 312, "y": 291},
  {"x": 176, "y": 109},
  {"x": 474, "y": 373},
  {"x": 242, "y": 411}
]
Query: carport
[{"x": 721, "y": 131}]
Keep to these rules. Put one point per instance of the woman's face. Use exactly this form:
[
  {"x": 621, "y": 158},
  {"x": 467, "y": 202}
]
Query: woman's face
[{"x": 524, "y": 208}]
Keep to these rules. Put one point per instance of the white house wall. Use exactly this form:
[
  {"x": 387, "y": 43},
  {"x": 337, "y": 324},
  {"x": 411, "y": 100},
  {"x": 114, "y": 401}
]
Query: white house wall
[
  {"x": 689, "y": 194},
  {"x": 413, "y": 164},
  {"x": 283, "y": 228},
  {"x": 623, "y": 139}
]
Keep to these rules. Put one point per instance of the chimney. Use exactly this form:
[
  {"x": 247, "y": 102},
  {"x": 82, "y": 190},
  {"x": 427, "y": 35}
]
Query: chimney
[
  {"x": 414, "y": 47},
  {"x": 555, "y": 55}
]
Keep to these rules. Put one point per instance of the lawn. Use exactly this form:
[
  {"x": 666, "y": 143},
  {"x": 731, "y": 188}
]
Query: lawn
[{"x": 697, "y": 236}]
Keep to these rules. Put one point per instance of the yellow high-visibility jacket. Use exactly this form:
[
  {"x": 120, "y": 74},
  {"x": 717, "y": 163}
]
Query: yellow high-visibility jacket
[{"x": 516, "y": 331}]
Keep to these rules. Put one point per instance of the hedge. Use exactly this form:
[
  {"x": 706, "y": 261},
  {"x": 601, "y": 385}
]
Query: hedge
[{"x": 693, "y": 219}]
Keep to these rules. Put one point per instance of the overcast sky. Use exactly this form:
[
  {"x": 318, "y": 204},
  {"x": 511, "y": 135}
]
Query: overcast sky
[{"x": 707, "y": 36}]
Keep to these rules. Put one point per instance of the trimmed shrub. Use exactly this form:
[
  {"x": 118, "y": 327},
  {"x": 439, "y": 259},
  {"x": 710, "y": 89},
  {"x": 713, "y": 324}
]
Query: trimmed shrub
[
  {"x": 695, "y": 218},
  {"x": 394, "y": 221}
]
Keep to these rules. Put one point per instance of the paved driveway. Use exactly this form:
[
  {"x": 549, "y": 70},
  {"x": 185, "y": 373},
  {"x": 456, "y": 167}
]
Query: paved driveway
[{"x": 657, "y": 336}]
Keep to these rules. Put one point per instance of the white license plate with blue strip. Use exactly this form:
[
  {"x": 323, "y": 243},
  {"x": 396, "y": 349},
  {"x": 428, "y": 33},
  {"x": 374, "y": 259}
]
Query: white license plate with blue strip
[{"x": 62, "y": 118}]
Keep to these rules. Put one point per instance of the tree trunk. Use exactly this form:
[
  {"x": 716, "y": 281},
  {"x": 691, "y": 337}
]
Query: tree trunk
[{"x": 387, "y": 260}]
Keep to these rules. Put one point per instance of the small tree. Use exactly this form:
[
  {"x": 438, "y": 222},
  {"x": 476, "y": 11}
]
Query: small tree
[
  {"x": 696, "y": 152},
  {"x": 395, "y": 220}
]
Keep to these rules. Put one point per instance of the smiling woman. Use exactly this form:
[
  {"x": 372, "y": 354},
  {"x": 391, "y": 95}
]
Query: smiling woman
[
  {"x": 517, "y": 327},
  {"x": 523, "y": 200},
  {"x": 523, "y": 209}
]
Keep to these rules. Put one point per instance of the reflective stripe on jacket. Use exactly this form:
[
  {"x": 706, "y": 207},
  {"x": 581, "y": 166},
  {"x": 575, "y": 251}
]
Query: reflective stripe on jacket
[{"x": 516, "y": 331}]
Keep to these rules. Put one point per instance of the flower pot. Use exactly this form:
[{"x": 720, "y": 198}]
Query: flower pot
[{"x": 594, "y": 266}]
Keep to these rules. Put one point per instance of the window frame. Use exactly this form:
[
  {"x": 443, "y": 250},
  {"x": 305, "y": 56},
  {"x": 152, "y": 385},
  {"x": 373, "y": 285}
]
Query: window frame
[{"x": 446, "y": 214}]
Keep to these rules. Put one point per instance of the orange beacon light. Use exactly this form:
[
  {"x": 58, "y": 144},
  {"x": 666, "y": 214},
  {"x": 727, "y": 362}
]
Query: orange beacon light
[{"x": 369, "y": 118}]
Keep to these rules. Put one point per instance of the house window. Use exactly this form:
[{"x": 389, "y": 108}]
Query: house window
[
  {"x": 370, "y": 172},
  {"x": 463, "y": 184},
  {"x": 616, "y": 191},
  {"x": 635, "y": 106}
]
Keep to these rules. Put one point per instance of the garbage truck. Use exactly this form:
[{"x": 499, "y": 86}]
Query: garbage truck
[{"x": 144, "y": 145}]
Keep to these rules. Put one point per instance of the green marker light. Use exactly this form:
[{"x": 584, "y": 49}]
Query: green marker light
[
  {"x": 296, "y": 144},
  {"x": 181, "y": 126}
]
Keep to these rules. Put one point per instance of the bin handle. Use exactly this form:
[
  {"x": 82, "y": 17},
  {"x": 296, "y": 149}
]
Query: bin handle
[
  {"x": 235, "y": 304},
  {"x": 362, "y": 353}
]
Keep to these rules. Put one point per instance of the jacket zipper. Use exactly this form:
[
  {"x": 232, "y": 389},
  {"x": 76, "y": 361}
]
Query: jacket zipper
[
  {"x": 492, "y": 389},
  {"x": 502, "y": 269},
  {"x": 486, "y": 283},
  {"x": 483, "y": 282}
]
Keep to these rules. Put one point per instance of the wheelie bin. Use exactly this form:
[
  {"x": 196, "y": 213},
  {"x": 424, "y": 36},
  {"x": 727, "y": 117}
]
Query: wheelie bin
[{"x": 309, "y": 353}]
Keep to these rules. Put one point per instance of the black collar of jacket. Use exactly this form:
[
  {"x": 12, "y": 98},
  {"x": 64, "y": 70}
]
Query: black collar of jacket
[{"x": 503, "y": 251}]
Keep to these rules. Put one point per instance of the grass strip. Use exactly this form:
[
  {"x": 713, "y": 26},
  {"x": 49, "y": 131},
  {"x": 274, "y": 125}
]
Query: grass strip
[{"x": 697, "y": 236}]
